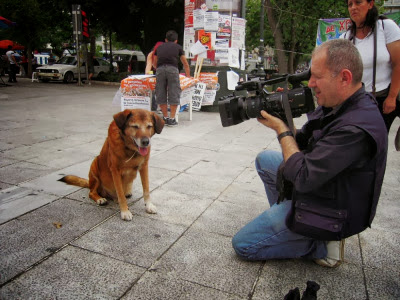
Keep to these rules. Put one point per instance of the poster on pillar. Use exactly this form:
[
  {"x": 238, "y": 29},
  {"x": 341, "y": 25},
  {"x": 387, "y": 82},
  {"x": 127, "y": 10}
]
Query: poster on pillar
[
  {"x": 224, "y": 27},
  {"x": 189, "y": 7},
  {"x": 188, "y": 41},
  {"x": 218, "y": 25},
  {"x": 238, "y": 33},
  {"x": 197, "y": 96}
]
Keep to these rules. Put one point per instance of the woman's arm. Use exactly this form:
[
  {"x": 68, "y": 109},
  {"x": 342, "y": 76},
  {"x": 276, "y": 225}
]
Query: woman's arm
[
  {"x": 149, "y": 63},
  {"x": 389, "y": 104}
]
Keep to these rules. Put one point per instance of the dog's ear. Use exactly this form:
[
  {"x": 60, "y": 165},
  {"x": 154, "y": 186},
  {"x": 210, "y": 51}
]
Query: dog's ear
[
  {"x": 158, "y": 123},
  {"x": 121, "y": 117}
]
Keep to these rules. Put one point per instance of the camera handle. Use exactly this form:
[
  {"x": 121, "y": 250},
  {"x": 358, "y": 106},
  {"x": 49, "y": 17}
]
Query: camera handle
[{"x": 286, "y": 106}]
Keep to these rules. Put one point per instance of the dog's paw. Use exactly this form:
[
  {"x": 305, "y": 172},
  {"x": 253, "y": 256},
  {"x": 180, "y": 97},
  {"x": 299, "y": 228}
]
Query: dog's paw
[
  {"x": 101, "y": 201},
  {"x": 128, "y": 195},
  {"x": 126, "y": 215},
  {"x": 151, "y": 208}
]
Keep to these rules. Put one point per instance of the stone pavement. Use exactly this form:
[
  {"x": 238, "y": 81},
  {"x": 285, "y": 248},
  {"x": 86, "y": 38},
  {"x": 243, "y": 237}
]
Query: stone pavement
[{"x": 55, "y": 243}]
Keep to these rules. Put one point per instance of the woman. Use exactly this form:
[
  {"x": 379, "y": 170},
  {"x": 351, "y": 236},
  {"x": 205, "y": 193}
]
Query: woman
[
  {"x": 151, "y": 69},
  {"x": 365, "y": 24}
]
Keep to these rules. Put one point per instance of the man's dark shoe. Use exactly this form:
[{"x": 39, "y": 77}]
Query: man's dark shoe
[
  {"x": 172, "y": 122},
  {"x": 166, "y": 120}
]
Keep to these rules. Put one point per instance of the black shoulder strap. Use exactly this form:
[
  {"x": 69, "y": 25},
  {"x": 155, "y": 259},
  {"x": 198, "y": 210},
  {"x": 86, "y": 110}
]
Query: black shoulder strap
[{"x": 374, "y": 67}]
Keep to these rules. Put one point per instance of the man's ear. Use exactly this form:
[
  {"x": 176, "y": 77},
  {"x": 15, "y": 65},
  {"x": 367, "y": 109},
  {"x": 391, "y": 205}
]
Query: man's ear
[
  {"x": 121, "y": 117},
  {"x": 346, "y": 76}
]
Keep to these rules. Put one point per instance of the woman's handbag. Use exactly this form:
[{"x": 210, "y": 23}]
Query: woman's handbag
[{"x": 397, "y": 140}]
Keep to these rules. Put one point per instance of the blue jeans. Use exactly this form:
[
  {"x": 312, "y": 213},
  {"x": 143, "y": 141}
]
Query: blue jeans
[{"x": 267, "y": 236}]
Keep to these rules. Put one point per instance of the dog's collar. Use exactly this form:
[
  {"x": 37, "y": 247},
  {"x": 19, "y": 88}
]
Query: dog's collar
[{"x": 133, "y": 155}]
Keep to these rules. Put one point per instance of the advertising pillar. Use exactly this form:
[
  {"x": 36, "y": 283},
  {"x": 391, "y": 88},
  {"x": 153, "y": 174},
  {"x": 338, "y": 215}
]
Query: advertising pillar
[{"x": 214, "y": 38}]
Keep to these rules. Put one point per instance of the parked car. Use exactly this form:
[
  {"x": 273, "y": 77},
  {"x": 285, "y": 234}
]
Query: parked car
[
  {"x": 66, "y": 70},
  {"x": 129, "y": 61}
]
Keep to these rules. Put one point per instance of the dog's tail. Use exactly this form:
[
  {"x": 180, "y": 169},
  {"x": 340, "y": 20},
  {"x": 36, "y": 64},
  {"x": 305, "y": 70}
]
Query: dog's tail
[{"x": 75, "y": 180}]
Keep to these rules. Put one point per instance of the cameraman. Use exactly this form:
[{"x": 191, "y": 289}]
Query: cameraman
[{"x": 335, "y": 167}]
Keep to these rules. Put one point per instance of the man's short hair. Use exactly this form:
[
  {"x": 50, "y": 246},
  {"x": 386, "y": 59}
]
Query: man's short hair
[
  {"x": 342, "y": 54},
  {"x": 9, "y": 47},
  {"x": 171, "y": 36}
]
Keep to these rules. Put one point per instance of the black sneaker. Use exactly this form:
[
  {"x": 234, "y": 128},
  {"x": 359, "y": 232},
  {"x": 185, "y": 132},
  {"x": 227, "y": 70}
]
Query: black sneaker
[
  {"x": 166, "y": 120},
  {"x": 172, "y": 122}
]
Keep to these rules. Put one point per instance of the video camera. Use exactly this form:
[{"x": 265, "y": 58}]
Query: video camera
[{"x": 298, "y": 100}]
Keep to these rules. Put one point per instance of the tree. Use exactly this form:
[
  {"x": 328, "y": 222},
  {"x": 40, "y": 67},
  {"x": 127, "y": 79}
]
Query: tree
[
  {"x": 137, "y": 22},
  {"x": 36, "y": 24},
  {"x": 290, "y": 26}
]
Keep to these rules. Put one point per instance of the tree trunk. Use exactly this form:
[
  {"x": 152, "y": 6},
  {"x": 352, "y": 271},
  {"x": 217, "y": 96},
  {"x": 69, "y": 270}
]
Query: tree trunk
[
  {"x": 292, "y": 53},
  {"x": 29, "y": 57},
  {"x": 278, "y": 38},
  {"x": 92, "y": 43}
]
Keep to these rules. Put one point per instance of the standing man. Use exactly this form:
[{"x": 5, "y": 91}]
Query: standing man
[
  {"x": 14, "y": 67},
  {"x": 335, "y": 165},
  {"x": 168, "y": 88}
]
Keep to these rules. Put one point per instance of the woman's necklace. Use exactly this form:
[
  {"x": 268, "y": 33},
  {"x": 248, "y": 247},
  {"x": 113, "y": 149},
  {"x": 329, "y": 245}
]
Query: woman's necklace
[{"x": 362, "y": 32}]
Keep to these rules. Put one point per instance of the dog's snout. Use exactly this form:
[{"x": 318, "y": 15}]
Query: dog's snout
[{"x": 145, "y": 142}]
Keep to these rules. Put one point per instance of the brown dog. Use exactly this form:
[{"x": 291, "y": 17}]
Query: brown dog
[{"x": 125, "y": 151}]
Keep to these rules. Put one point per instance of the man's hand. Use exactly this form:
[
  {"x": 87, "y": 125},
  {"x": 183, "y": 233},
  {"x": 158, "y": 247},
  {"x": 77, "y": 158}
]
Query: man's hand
[
  {"x": 288, "y": 143},
  {"x": 272, "y": 122}
]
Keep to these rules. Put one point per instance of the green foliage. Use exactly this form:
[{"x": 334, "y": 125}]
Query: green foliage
[
  {"x": 298, "y": 21},
  {"x": 38, "y": 22}
]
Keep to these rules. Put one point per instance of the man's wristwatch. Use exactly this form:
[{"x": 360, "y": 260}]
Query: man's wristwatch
[{"x": 283, "y": 134}]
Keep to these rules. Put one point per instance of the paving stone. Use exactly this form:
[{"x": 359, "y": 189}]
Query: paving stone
[
  {"x": 212, "y": 142},
  {"x": 27, "y": 239},
  {"x": 157, "y": 286},
  {"x": 21, "y": 152},
  {"x": 196, "y": 185},
  {"x": 173, "y": 207},
  {"x": 227, "y": 218},
  {"x": 380, "y": 250},
  {"x": 156, "y": 177},
  {"x": 4, "y": 186},
  {"x": 62, "y": 158},
  {"x": 83, "y": 196},
  {"x": 179, "y": 158},
  {"x": 213, "y": 169},
  {"x": 5, "y": 161},
  {"x": 387, "y": 214},
  {"x": 16, "y": 201},
  {"x": 278, "y": 277},
  {"x": 382, "y": 283},
  {"x": 74, "y": 273},
  {"x": 4, "y": 145},
  {"x": 382, "y": 263},
  {"x": 50, "y": 184},
  {"x": 205, "y": 186},
  {"x": 208, "y": 259},
  {"x": 233, "y": 156},
  {"x": 140, "y": 241},
  {"x": 250, "y": 180},
  {"x": 22, "y": 171},
  {"x": 240, "y": 194}
]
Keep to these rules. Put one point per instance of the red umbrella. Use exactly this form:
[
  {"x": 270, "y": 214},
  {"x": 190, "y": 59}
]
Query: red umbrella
[
  {"x": 4, "y": 23},
  {"x": 4, "y": 45}
]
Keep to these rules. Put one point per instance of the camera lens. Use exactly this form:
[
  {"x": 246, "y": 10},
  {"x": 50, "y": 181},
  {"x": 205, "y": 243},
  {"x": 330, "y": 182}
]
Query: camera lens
[{"x": 252, "y": 106}]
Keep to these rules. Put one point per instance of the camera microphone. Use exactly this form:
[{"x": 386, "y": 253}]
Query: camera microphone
[{"x": 295, "y": 79}]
